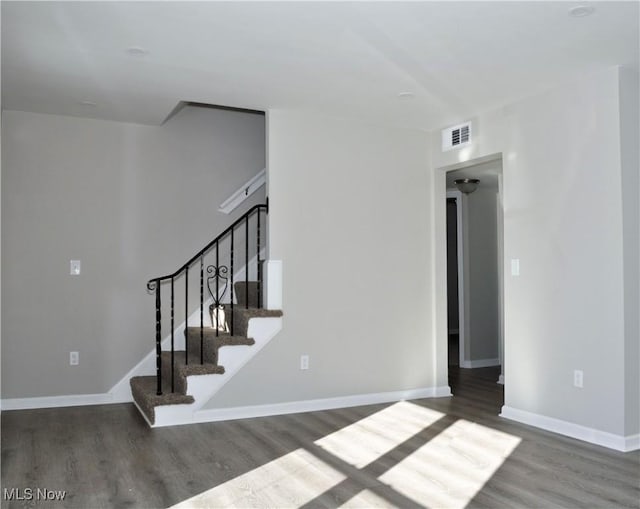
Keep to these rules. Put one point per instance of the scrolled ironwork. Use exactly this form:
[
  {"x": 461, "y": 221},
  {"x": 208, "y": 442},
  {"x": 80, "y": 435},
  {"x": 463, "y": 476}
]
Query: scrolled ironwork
[{"x": 217, "y": 274}]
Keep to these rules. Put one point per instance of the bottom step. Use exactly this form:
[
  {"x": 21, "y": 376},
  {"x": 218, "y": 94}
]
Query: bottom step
[{"x": 143, "y": 389}]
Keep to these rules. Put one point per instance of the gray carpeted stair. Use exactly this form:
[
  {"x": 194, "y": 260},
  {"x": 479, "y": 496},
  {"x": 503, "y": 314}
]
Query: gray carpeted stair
[
  {"x": 182, "y": 370},
  {"x": 143, "y": 388}
]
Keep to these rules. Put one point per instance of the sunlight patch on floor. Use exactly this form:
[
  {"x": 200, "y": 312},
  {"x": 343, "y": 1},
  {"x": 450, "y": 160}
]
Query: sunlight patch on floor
[
  {"x": 446, "y": 471},
  {"x": 289, "y": 481},
  {"x": 368, "y": 439},
  {"x": 452, "y": 467}
]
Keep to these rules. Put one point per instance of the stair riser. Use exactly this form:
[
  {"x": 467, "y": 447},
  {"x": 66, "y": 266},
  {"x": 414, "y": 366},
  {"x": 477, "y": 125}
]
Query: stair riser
[
  {"x": 179, "y": 380},
  {"x": 240, "y": 289},
  {"x": 193, "y": 348}
]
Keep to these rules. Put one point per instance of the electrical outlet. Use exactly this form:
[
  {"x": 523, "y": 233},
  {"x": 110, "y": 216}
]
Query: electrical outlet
[
  {"x": 515, "y": 267},
  {"x": 74, "y": 358},
  {"x": 304, "y": 362},
  {"x": 74, "y": 267},
  {"x": 578, "y": 376}
]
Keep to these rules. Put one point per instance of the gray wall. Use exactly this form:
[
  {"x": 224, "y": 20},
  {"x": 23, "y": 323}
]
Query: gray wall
[
  {"x": 132, "y": 202},
  {"x": 356, "y": 260},
  {"x": 0, "y": 221},
  {"x": 629, "y": 129},
  {"x": 481, "y": 250}
]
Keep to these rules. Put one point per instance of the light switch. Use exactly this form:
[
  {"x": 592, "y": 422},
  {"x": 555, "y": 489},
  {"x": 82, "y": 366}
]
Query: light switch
[
  {"x": 74, "y": 267},
  {"x": 515, "y": 267}
]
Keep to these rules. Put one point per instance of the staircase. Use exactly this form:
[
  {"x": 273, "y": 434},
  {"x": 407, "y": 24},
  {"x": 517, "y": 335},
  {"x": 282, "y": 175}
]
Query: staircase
[{"x": 189, "y": 374}]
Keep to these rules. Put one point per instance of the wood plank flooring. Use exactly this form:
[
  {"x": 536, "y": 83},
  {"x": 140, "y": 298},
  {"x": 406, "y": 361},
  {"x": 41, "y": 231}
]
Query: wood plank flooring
[{"x": 448, "y": 452}]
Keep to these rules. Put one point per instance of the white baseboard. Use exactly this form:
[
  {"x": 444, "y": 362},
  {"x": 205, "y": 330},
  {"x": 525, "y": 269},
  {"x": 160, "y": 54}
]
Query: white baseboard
[
  {"x": 295, "y": 407},
  {"x": 235, "y": 412},
  {"x": 480, "y": 363},
  {"x": 632, "y": 442},
  {"x": 443, "y": 391},
  {"x": 593, "y": 436},
  {"x": 58, "y": 401}
]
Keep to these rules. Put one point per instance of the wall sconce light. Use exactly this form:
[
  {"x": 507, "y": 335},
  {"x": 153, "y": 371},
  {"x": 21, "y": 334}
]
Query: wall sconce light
[{"x": 467, "y": 186}]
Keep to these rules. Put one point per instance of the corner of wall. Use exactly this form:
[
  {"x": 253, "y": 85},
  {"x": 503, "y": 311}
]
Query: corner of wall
[
  {"x": 0, "y": 222},
  {"x": 629, "y": 90}
]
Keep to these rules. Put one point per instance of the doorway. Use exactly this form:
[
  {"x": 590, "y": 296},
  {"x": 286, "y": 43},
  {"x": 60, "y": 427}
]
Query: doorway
[{"x": 474, "y": 229}]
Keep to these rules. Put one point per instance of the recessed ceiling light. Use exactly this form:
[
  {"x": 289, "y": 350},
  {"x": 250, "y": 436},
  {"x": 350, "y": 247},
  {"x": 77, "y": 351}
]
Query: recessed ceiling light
[
  {"x": 87, "y": 103},
  {"x": 406, "y": 95},
  {"x": 137, "y": 51},
  {"x": 580, "y": 11}
]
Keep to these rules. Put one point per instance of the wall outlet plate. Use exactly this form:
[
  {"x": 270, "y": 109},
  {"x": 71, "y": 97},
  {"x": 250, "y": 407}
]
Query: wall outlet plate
[
  {"x": 304, "y": 362},
  {"x": 74, "y": 267}
]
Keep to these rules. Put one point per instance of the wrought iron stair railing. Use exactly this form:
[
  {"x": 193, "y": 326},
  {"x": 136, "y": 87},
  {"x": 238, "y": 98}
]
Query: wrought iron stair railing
[{"x": 220, "y": 257}]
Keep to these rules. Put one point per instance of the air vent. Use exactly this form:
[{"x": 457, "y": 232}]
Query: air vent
[{"x": 457, "y": 136}]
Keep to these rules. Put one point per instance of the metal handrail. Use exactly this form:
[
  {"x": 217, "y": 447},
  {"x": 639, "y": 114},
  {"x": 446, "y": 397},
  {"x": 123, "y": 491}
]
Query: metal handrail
[{"x": 205, "y": 249}]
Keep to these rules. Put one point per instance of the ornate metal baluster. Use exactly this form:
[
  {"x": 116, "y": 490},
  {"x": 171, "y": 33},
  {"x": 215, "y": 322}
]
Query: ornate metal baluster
[
  {"x": 216, "y": 302},
  {"x": 173, "y": 389},
  {"x": 258, "y": 267},
  {"x": 186, "y": 315},
  {"x": 201, "y": 309},
  {"x": 158, "y": 340},
  {"x": 232, "y": 281},
  {"x": 246, "y": 263},
  {"x": 217, "y": 312}
]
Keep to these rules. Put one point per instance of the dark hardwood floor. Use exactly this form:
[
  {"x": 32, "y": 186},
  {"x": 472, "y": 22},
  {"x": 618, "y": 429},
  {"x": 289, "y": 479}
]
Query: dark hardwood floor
[{"x": 106, "y": 456}]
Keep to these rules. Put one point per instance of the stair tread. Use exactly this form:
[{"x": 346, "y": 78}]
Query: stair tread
[
  {"x": 269, "y": 312},
  {"x": 222, "y": 339},
  {"x": 250, "y": 310},
  {"x": 147, "y": 386}
]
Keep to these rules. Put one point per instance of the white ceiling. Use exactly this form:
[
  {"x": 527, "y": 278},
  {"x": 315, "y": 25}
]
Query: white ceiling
[{"x": 347, "y": 59}]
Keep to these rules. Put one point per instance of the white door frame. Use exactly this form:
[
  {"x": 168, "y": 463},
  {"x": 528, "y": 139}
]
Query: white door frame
[{"x": 500, "y": 231}]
